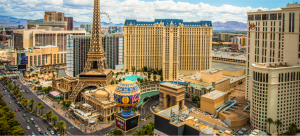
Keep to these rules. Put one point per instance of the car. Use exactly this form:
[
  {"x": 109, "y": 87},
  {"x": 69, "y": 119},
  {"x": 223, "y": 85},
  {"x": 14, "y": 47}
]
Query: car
[
  {"x": 4, "y": 93},
  {"x": 12, "y": 109},
  {"x": 38, "y": 129},
  {"x": 24, "y": 115},
  {"x": 32, "y": 134},
  {"x": 57, "y": 133},
  {"x": 28, "y": 127},
  {"x": 19, "y": 109},
  {"x": 33, "y": 122},
  {"x": 27, "y": 120},
  {"x": 36, "y": 125},
  {"x": 16, "y": 110},
  {"x": 49, "y": 129},
  {"x": 9, "y": 102},
  {"x": 31, "y": 118},
  {"x": 41, "y": 132},
  {"x": 46, "y": 133},
  {"x": 18, "y": 102},
  {"x": 52, "y": 132}
]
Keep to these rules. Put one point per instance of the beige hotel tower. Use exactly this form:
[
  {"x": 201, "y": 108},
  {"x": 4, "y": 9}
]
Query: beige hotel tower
[
  {"x": 273, "y": 67},
  {"x": 168, "y": 44}
]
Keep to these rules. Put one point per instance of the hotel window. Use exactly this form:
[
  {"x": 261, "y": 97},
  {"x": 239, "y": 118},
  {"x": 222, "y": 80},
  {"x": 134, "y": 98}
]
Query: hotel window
[
  {"x": 273, "y": 16},
  {"x": 250, "y": 17},
  {"x": 264, "y": 17}
]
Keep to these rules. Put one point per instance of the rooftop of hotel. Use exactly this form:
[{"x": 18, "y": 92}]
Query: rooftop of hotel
[
  {"x": 178, "y": 117},
  {"x": 273, "y": 65},
  {"x": 198, "y": 86},
  {"x": 166, "y": 22},
  {"x": 172, "y": 85},
  {"x": 227, "y": 67},
  {"x": 212, "y": 71},
  {"x": 229, "y": 55},
  {"x": 214, "y": 94}
]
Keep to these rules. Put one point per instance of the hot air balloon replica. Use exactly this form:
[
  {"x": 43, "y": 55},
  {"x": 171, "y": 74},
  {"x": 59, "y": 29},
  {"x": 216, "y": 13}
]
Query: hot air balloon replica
[{"x": 127, "y": 95}]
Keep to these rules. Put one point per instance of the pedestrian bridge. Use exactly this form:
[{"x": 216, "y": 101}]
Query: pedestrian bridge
[{"x": 146, "y": 94}]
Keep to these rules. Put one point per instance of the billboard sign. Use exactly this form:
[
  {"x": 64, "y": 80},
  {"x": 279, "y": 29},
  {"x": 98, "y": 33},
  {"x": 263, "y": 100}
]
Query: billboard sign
[
  {"x": 120, "y": 123},
  {"x": 132, "y": 123},
  {"x": 22, "y": 67},
  {"x": 22, "y": 58}
]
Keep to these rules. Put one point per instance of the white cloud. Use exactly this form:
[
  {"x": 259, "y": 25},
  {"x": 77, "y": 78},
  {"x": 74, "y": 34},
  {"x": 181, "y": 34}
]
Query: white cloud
[{"x": 81, "y": 10}]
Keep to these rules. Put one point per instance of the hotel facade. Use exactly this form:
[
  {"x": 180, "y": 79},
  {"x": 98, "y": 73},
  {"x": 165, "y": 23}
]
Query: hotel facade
[
  {"x": 168, "y": 44},
  {"x": 273, "y": 67}
]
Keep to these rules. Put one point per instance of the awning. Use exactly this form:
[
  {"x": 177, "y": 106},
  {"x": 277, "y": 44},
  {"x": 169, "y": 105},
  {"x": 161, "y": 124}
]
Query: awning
[{"x": 92, "y": 122}]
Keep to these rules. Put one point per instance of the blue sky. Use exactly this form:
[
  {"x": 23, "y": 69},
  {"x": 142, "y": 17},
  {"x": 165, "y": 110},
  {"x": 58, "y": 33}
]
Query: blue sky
[{"x": 142, "y": 10}]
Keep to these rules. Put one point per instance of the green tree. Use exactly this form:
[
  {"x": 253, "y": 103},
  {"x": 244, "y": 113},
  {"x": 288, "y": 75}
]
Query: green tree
[
  {"x": 149, "y": 76},
  {"x": 55, "y": 118},
  {"x": 278, "y": 123},
  {"x": 126, "y": 70},
  {"x": 270, "y": 121},
  {"x": 154, "y": 77},
  {"x": 133, "y": 69},
  {"x": 26, "y": 101},
  {"x": 49, "y": 89},
  {"x": 16, "y": 130},
  {"x": 19, "y": 95},
  {"x": 145, "y": 69},
  {"x": 42, "y": 107},
  {"x": 9, "y": 86},
  {"x": 10, "y": 114},
  {"x": 31, "y": 101},
  {"x": 112, "y": 82},
  {"x": 49, "y": 114},
  {"x": 139, "y": 132},
  {"x": 120, "y": 80},
  {"x": 138, "y": 79},
  {"x": 161, "y": 78},
  {"x": 198, "y": 103},
  {"x": 36, "y": 107},
  {"x": 117, "y": 132},
  {"x": 292, "y": 129},
  {"x": 61, "y": 124},
  {"x": 6, "y": 108},
  {"x": 13, "y": 122},
  {"x": 117, "y": 82}
]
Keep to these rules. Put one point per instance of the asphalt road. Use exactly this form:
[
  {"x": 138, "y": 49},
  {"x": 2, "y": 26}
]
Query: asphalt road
[
  {"x": 42, "y": 123},
  {"x": 145, "y": 110},
  {"x": 72, "y": 131}
]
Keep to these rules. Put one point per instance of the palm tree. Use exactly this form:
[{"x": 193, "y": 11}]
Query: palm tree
[
  {"x": 36, "y": 106},
  {"x": 26, "y": 101},
  {"x": 9, "y": 86},
  {"x": 278, "y": 123},
  {"x": 154, "y": 77},
  {"x": 49, "y": 114},
  {"x": 42, "y": 107},
  {"x": 61, "y": 125},
  {"x": 31, "y": 101},
  {"x": 270, "y": 121},
  {"x": 55, "y": 118},
  {"x": 292, "y": 129},
  {"x": 19, "y": 95}
]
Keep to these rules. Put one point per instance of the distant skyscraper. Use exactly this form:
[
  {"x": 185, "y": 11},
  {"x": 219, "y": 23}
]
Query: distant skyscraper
[
  {"x": 273, "y": 67},
  {"x": 115, "y": 29},
  {"x": 53, "y": 16},
  {"x": 21, "y": 26},
  {"x": 168, "y": 44},
  {"x": 82, "y": 26},
  {"x": 88, "y": 28},
  {"x": 78, "y": 47},
  {"x": 70, "y": 22}
]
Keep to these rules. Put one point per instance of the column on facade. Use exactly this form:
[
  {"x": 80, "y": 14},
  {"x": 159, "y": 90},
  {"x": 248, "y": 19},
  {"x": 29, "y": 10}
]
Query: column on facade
[{"x": 182, "y": 104}]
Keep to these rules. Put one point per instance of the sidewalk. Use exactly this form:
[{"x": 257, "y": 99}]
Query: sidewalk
[{"x": 62, "y": 112}]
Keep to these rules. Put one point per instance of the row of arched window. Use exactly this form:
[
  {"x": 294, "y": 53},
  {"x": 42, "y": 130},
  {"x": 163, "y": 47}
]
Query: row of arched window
[
  {"x": 261, "y": 77},
  {"x": 291, "y": 76}
]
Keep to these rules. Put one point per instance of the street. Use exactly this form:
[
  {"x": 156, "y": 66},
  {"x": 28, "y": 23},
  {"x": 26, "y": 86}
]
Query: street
[
  {"x": 42, "y": 123},
  {"x": 73, "y": 130}
]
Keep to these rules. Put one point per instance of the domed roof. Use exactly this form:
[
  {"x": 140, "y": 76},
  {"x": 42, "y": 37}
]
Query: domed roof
[
  {"x": 127, "y": 87},
  {"x": 102, "y": 93}
]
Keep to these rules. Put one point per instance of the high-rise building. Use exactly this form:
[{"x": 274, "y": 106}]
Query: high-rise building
[
  {"x": 28, "y": 38},
  {"x": 113, "y": 49},
  {"x": 224, "y": 37},
  {"x": 21, "y": 26},
  {"x": 53, "y": 19},
  {"x": 54, "y": 16},
  {"x": 273, "y": 67},
  {"x": 88, "y": 28},
  {"x": 70, "y": 22},
  {"x": 82, "y": 26},
  {"x": 168, "y": 44},
  {"x": 78, "y": 47},
  {"x": 115, "y": 29}
]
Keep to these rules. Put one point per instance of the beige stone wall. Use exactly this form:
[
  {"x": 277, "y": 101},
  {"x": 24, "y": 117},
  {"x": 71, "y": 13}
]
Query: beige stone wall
[
  {"x": 211, "y": 77},
  {"x": 210, "y": 105},
  {"x": 222, "y": 86},
  {"x": 234, "y": 74}
]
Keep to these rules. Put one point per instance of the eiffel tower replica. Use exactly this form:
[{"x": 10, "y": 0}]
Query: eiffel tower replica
[{"x": 96, "y": 72}]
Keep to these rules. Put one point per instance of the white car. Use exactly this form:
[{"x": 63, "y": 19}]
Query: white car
[
  {"x": 38, "y": 129},
  {"x": 31, "y": 118},
  {"x": 52, "y": 132},
  {"x": 36, "y": 125},
  {"x": 28, "y": 127}
]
